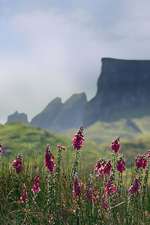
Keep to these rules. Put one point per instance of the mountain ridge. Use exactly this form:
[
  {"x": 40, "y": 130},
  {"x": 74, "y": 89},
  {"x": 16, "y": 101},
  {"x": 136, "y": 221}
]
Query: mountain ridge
[{"x": 123, "y": 91}]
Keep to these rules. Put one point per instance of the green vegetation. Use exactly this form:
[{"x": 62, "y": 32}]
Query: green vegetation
[
  {"x": 31, "y": 142},
  {"x": 134, "y": 134},
  {"x": 55, "y": 193},
  {"x": 26, "y": 140},
  {"x": 71, "y": 189}
]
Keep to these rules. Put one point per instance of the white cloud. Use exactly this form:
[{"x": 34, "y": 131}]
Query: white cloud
[
  {"x": 56, "y": 63},
  {"x": 54, "y": 52}
]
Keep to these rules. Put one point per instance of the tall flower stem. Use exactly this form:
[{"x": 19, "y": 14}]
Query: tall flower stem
[
  {"x": 58, "y": 186},
  {"x": 75, "y": 168},
  {"x": 78, "y": 213},
  {"x": 51, "y": 198}
]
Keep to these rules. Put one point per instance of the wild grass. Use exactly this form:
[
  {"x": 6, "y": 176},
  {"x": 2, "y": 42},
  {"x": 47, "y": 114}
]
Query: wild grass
[{"x": 70, "y": 194}]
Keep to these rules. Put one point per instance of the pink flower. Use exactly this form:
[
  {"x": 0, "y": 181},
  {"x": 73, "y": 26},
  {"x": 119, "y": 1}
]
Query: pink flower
[
  {"x": 115, "y": 146},
  {"x": 121, "y": 166},
  {"x": 17, "y": 164},
  {"x": 110, "y": 188},
  {"x": 36, "y": 185},
  {"x": 135, "y": 187},
  {"x": 76, "y": 187},
  {"x": 103, "y": 168},
  {"x": 141, "y": 162},
  {"x": 49, "y": 160},
  {"x": 24, "y": 195},
  {"x": 107, "y": 168},
  {"x": 78, "y": 139}
]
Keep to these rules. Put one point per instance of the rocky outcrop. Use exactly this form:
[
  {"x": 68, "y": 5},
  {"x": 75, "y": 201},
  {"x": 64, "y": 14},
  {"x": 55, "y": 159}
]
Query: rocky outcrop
[
  {"x": 123, "y": 91},
  {"x": 58, "y": 116},
  {"x": 72, "y": 113},
  {"x": 48, "y": 115},
  {"x": 17, "y": 117}
]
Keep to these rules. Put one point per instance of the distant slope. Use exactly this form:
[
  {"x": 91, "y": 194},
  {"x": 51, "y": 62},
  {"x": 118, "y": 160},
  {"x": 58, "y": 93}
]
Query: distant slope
[
  {"x": 103, "y": 132},
  {"x": 127, "y": 129},
  {"x": 134, "y": 134},
  {"x": 21, "y": 138},
  {"x": 31, "y": 142}
]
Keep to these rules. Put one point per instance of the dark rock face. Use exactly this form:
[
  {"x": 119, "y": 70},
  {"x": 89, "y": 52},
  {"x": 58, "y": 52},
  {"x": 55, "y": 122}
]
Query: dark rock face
[
  {"x": 58, "y": 116},
  {"x": 123, "y": 91},
  {"x": 17, "y": 117},
  {"x": 48, "y": 115},
  {"x": 72, "y": 113}
]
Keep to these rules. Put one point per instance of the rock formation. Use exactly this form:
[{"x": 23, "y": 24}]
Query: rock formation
[
  {"x": 17, "y": 117},
  {"x": 123, "y": 91},
  {"x": 58, "y": 116},
  {"x": 48, "y": 115}
]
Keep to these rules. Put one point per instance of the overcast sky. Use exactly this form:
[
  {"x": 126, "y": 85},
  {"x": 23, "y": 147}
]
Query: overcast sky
[{"x": 51, "y": 48}]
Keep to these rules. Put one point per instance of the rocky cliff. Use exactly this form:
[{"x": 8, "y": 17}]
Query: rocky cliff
[
  {"x": 45, "y": 118},
  {"x": 58, "y": 116},
  {"x": 72, "y": 113},
  {"x": 17, "y": 117},
  {"x": 123, "y": 91}
]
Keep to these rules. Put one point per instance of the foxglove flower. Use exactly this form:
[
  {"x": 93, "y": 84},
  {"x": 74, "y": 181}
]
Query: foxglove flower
[
  {"x": 24, "y": 195},
  {"x": 61, "y": 147},
  {"x": 110, "y": 188},
  {"x": 17, "y": 164},
  {"x": 141, "y": 162},
  {"x": 115, "y": 146},
  {"x": 78, "y": 140},
  {"x": 135, "y": 187},
  {"x": 76, "y": 187},
  {"x": 103, "y": 168},
  {"x": 121, "y": 166},
  {"x": 107, "y": 168},
  {"x": 36, "y": 185},
  {"x": 49, "y": 160}
]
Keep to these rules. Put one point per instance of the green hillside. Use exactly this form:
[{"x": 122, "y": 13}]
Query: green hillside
[
  {"x": 31, "y": 142},
  {"x": 134, "y": 134}
]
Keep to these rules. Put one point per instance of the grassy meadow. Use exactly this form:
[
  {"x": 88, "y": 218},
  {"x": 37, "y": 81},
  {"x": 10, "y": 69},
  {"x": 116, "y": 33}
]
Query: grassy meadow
[{"x": 81, "y": 181}]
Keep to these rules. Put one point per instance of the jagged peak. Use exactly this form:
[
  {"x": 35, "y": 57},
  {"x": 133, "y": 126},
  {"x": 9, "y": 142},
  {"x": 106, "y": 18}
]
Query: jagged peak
[
  {"x": 76, "y": 97},
  {"x": 55, "y": 101}
]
